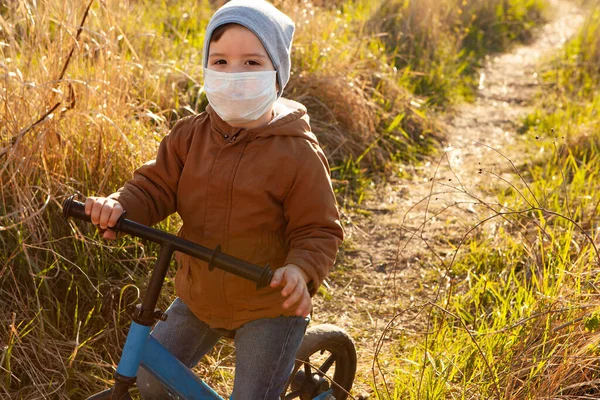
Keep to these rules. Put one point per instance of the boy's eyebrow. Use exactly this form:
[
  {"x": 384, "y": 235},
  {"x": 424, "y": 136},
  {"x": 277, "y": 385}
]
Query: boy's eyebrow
[{"x": 243, "y": 55}]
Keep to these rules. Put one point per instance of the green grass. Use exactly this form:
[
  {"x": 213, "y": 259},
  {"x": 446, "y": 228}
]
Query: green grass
[
  {"x": 520, "y": 318},
  {"x": 135, "y": 69},
  {"x": 439, "y": 46}
]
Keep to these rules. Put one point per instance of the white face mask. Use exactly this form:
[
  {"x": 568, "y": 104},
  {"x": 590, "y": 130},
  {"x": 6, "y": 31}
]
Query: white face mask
[{"x": 240, "y": 97}]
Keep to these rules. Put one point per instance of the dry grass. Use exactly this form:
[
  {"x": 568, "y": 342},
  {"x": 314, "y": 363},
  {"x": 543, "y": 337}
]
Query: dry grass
[
  {"x": 345, "y": 76},
  {"x": 81, "y": 123}
]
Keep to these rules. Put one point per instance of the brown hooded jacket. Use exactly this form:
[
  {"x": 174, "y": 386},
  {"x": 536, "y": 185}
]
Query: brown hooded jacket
[{"x": 263, "y": 194}]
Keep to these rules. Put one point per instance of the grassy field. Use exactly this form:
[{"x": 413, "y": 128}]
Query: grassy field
[
  {"x": 87, "y": 94},
  {"x": 521, "y": 316}
]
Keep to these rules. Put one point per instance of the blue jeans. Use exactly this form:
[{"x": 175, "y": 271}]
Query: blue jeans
[{"x": 265, "y": 352}]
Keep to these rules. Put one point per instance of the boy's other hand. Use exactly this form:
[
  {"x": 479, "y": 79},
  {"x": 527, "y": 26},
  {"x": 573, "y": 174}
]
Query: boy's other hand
[
  {"x": 294, "y": 280},
  {"x": 104, "y": 213}
]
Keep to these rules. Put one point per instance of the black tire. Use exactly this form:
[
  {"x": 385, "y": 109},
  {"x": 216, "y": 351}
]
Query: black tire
[{"x": 342, "y": 354}]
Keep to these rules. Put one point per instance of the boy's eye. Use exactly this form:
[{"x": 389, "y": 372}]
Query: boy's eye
[
  {"x": 220, "y": 62},
  {"x": 252, "y": 62}
]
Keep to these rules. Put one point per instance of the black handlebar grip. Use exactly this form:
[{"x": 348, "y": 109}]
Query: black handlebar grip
[{"x": 75, "y": 209}]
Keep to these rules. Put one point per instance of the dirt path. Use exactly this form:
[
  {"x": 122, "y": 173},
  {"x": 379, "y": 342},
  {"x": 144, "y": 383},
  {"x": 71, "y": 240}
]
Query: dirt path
[{"x": 390, "y": 267}]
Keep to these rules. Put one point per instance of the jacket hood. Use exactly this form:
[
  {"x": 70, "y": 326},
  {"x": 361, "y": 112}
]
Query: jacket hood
[{"x": 290, "y": 119}]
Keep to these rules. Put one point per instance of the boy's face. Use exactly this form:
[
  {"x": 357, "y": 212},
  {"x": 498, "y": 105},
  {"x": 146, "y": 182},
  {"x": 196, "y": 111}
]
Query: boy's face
[{"x": 238, "y": 50}]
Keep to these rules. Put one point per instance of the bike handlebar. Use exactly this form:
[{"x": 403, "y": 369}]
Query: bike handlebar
[{"x": 215, "y": 258}]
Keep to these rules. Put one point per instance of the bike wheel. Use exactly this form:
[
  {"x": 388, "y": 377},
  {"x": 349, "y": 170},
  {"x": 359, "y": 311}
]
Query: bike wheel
[{"x": 326, "y": 354}]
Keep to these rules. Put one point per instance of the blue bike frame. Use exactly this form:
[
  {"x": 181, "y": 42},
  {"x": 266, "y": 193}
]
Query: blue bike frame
[{"x": 142, "y": 349}]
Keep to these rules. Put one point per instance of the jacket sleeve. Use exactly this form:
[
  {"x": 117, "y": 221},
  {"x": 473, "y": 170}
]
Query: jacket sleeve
[
  {"x": 314, "y": 232},
  {"x": 151, "y": 195}
]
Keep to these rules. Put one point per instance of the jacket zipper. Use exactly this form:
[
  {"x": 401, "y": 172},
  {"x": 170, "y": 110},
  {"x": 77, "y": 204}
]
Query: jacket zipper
[{"x": 227, "y": 221}]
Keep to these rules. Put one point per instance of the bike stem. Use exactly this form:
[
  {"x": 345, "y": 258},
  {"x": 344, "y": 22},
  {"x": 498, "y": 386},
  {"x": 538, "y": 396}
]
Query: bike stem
[
  {"x": 147, "y": 314},
  {"x": 144, "y": 316}
]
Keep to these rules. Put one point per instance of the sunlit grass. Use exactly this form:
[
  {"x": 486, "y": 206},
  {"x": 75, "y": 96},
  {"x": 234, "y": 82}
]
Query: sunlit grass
[
  {"x": 82, "y": 123},
  {"x": 519, "y": 318}
]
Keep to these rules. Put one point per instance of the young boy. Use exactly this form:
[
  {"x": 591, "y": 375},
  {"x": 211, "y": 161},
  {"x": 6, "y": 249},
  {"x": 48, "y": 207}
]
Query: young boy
[{"x": 249, "y": 175}]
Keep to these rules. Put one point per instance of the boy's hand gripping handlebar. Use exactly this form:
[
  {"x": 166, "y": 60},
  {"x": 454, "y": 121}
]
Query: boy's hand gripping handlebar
[{"x": 215, "y": 258}]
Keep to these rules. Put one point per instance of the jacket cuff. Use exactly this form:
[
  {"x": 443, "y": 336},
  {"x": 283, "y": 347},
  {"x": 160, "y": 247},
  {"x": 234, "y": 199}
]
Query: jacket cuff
[
  {"x": 117, "y": 196},
  {"x": 295, "y": 257},
  {"x": 121, "y": 200}
]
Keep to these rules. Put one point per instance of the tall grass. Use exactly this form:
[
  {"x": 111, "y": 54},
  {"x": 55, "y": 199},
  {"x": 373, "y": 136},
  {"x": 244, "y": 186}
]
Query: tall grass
[
  {"x": 373, "y": 71},
  {"x": 85, "y": 100},
  {"x": 440, "y": 45},
  {"x": 520, "y": 316}
]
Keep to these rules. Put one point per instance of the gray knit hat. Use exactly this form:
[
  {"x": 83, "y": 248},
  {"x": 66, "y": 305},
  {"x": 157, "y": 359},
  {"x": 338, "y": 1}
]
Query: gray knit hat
[{"x": 274, "y": 29}]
